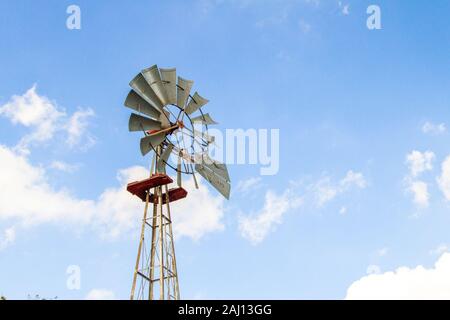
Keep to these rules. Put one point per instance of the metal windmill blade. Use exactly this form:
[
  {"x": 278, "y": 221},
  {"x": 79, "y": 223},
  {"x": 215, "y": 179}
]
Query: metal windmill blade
[
  {"x": 221, "y": 170},
  {"x": 137, "y": 103},
  {"x": 169, "y": 78},
  {"x": 215, "y": 166},
  {"x": 195, "y": 103},
  {"x": 204, "y": 118},
  {"x": 142, "y": 88},
  {"x": 164, "y": 119},
  {"x": 216, "y": 181},
  {"x": 204, "y": 136},
  {"x": 179, "y": 170},
  {"x": 140, "y": 123},
  {"x": 183, "y": 90},
  {"x": 153, "y": 78},
  {"x": 150, "y": 142},
  {"x": 164, "y": 157},
  {"x": 193, "y": 175}
]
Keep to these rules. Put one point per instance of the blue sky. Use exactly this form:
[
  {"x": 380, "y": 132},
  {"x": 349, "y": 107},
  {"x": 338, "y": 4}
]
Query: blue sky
[{"x": 352, "y": 106}]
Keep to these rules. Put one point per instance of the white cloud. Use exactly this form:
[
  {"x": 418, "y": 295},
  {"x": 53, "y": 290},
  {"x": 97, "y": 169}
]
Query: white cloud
[
  {"x": 373, "y": 269},
  {"x": 44, "y": 119},
  {"x": 434, "y": 129},
  {"x": 19, "y": 179},
  {"x": 420, "y": 191},
  {"x": 304, "y": 26},
  {"x": 35, "y": 112},
  {"x": 382, "y": 252},
  {"x": 63, "y": 166},
  {"x": 444, "y": 179},
  {"x": 325, "y": 190},
  {"x": 343, "y": 211},
  {"x": 32, "y": 110},
  {"x": 199, "y": 213},
  {"x": 440, "y": 249},
  {"x": 353, "y": 179},
  {"x": 114, "y": 213},
  {"x": 405, "y": 283},
  {"x": 419, "y": 162},
  {"x": 77, "y": 129},
  {"x": 100, "y": 294},
  {"x": 117, "y": 211},
  {"x": 257, "y": 226},
  {"x": 7, "y": 238},
  {"x": 345, "y": 8},
  {"x": 248, "y": 184}
]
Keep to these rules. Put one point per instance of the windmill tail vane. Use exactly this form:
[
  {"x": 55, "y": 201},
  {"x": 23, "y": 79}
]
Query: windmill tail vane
[{"x": 171, "y": 123}]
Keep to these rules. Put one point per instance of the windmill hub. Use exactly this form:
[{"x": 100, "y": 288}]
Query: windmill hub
[{"x": 180, "y": 124}]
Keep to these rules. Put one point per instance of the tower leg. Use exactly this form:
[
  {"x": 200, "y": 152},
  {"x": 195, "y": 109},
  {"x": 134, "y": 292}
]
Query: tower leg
[
  {"x": 141, "y": 243},
  {"x": 172, "y": 247},
  {"x": 152, "y": 251}
]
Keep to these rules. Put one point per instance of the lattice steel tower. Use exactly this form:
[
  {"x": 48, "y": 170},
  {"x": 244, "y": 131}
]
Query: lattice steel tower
[{"x": 155, "y": 275}]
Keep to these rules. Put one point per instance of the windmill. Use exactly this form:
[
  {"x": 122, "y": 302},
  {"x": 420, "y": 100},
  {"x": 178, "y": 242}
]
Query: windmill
[{"x": 175, "y": 130}]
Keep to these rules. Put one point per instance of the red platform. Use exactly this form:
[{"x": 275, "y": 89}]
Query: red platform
[
  {"x": 174, "y": 195},
  {"x": 140, "y": 188}
]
